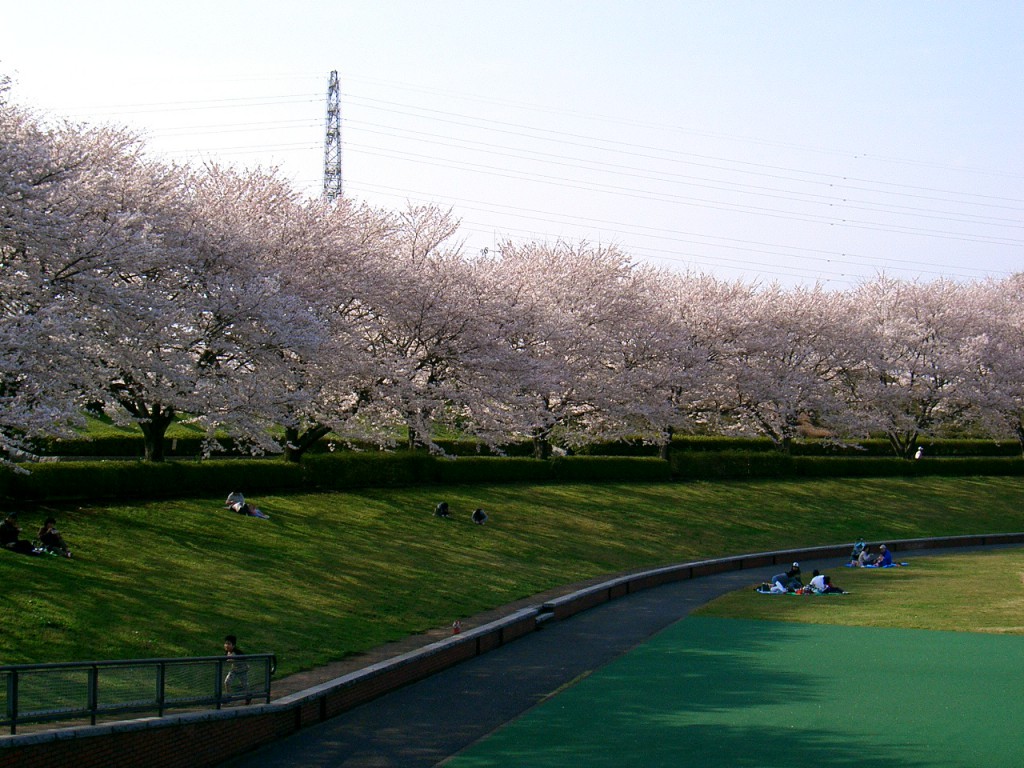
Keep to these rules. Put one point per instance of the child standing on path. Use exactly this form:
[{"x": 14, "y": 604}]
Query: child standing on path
[{"x": 237, "y": 678}]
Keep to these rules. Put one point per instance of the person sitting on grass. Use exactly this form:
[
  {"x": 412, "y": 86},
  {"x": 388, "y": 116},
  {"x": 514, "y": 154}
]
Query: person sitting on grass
[
  {"x": 10, "y": 536},
  {"x": 441, "y": 510},
  {"x": 479, "y": 516},
  {"x": 858, "y": 549},
  {"x": 51, "y": 539},
  {"x": 817, "y": 582},
  {"x": 790, "y": 580},
  {"x": 884, "y": 559}
]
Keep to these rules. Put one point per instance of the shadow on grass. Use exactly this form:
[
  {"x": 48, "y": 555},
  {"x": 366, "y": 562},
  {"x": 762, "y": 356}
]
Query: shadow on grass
[{"x": 714, "y": 693}]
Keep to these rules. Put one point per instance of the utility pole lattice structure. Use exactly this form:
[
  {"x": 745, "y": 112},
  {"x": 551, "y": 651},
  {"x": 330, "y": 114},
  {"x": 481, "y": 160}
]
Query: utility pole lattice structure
[{"x": 332, "y": 142}]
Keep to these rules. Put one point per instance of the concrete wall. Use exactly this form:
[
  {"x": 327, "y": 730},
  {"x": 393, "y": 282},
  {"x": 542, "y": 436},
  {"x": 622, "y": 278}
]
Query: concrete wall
[{"x": 201, "y": 739}]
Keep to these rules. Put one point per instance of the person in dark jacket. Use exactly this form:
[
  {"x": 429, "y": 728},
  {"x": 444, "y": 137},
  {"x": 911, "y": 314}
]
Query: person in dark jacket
[
  {"x": 10, "y": 536},
  {"x": 51, "y": 539},
  {"x": 790, "y": 580},
  {"x": 237, "y": 678}
]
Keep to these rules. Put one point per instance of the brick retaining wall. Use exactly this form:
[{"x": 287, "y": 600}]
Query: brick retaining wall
[{"x": 201, "y": 739}]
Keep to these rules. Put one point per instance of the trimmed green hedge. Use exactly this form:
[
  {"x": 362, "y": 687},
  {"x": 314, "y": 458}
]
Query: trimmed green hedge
[
  {"x": 347, "y": 469},
  {"x": 97, "y": 480},
  {"x": 730, "y": 465},
  {"x": 864, "y": 448},
  {"x": 482, "y": 469},
  {"x": 221, "y": 476},
  {"x": 932, "y": 448},
  {"x": 122, "y": 480},
  {"x": 123, "y": 446},
  {"x": 609, "y": 469},
  {"x": 128, "y": 446},
  {"x": 736, "y": 465},
  {"x": 109, "y": 480}
]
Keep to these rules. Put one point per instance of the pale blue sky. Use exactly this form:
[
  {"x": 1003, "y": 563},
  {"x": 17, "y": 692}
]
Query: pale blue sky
[{"x": 796, "y": 141}]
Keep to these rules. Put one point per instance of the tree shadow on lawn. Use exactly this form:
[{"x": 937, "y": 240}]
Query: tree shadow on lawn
[{"x": 712, "y": 693}]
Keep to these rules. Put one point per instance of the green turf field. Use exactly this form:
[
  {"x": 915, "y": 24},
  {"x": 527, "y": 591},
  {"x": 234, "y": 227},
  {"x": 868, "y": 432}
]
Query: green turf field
[
  {"x": 915, "y": 667},
  {"x": 722, "y": 693}
]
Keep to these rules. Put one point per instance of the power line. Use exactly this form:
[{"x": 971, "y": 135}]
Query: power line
[
  {"x": 710, "y": 183},
  {"x": 792, "y": 193},
  {"x": 619, "y": 120},
  {"x": 834, "y": 221},
  {"x": 191, "y": 106},
  {"x": 539, "y": 133},
  {"x": 735, "y": 244}
]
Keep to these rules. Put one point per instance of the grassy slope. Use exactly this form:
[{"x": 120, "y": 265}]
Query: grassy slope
[{"x": 338, "y": 573}]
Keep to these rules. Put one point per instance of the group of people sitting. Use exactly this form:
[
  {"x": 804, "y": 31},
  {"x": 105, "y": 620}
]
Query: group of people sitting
[
  {"x": 48, "y": 540},
  {"x": 862, "y": 557},
  {"x": 790, "y": 581},
  {"x": 820, "y": 584},
  {"x": 479, "y": 516}
]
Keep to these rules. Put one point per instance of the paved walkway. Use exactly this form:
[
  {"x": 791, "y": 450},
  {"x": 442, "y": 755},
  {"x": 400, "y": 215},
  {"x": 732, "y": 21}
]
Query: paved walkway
[{"x": 423, "y": 724}]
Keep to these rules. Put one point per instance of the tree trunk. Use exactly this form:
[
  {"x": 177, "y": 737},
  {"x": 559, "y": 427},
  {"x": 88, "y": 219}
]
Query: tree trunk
[
  {"x": 665, "y": 449},
  {"x": 296, "y": 443},
  {"x": 154, "y": 426},
  {"x": 903, "y": 445},
  {"x": 541, "y": 446}
]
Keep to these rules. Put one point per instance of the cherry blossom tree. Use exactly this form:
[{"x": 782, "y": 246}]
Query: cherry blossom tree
[
  {"x": 329, "y": 257},
  {"x": 65, "y": 239},
  {"x": 783, "y": 361},
  {"x": 703, "y": 314},
  {"x": 920, "y": 345},
  {"x": 224, "y": 296},
  {"x": 998, "y": 381},
  {"x": 28, "y": 171},
  {"x": 561, "y": 303},
  {"x": 418, "y": 310},
  {"x": 199, "y": 320},
  {"x": 651, "y": 359}
]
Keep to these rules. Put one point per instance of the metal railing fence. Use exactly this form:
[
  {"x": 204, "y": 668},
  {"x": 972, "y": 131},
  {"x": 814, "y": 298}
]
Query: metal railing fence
[{"x": 41, "y": 693}]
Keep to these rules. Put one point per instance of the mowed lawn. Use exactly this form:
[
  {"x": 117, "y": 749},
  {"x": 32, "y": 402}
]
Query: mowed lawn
[
  {"x": 831, "y": 682},
  {"x": 334, "y": 574}
]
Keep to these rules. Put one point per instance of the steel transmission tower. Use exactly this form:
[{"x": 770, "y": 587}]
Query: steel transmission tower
[{"x": 332, "y": 142}]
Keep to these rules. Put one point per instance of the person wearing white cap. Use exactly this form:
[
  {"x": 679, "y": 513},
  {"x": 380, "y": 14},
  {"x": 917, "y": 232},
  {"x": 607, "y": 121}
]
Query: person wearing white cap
[{"x": 790, "y": 580}]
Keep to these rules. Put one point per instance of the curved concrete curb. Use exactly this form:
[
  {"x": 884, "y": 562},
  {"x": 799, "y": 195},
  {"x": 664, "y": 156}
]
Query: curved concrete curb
[{"x": 209, "y": 738}]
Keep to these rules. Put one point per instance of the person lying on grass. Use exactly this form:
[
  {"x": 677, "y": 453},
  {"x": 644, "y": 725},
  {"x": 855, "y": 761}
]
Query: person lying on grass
[
  {"x": 236, "y": 503},
  {"x": 830, "y": 588}
]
